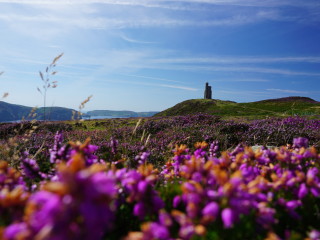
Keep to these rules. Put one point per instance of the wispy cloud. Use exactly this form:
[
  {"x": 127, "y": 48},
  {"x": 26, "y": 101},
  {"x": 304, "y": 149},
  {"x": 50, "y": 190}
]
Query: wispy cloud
[
  {"x": 178, "y": 87},
  {"x": 286, "y": 91},
  {"x": 131, "y": 40},
  {"x": 88, "y": 22},
  {"x": 237, "y": 60},
  {"x": 240, "y": 80},
  {"x": 244, "y": 93},
  {"x": 98, "y": 14},
  {"x": 196, "y": 68},
  {"x": 269, "y": 3},
  {"x": 151, "y": 84},
  {"x": 153, "y": 78}
]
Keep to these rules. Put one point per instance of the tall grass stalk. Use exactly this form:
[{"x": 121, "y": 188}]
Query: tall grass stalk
[{"x": 47, "y": 83}]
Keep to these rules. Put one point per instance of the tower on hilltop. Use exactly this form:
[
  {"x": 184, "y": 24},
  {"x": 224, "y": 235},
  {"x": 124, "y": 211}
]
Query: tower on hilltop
[{"x": 208, "y": 92}]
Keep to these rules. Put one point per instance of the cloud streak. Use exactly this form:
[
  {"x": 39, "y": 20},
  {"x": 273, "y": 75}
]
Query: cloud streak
[
  {"x": 250, "y": 93},
  {"x": 237, "y": 60},
  {"x": 178, "y": 87},
  {"x": 152, "y": 3},
  {"x": 131, "y": 40},
  {"x": 153, "y": 78},
  {"x": 286, "y": 91},
  {"x": 144, "y": 13},
  {"x": 152, "y": 84},
  {"x": 194, "y": 68},
  {"x": 89, "y": 22},
  {"x": 240, "y": 80}
]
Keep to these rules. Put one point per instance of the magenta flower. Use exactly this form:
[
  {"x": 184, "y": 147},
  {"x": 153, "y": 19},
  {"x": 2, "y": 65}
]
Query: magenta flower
[
  {"x": 300, "y": 142},
  {"x": 176, "y": 201},
  {"x": 314, "y": 235},
  {"x": 159, "y": 231},
  {"x": 30, "y": 167},
  {"x": 140, "y": 210},
  {"x": 227, "y": 217},
  {"x": 14, "y": 231},
  {"x": 303, "y": 191},
  {"x": 211, "y": 209}
]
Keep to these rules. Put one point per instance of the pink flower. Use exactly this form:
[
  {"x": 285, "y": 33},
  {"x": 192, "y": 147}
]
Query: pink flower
[{"x": 227, "y": 217}]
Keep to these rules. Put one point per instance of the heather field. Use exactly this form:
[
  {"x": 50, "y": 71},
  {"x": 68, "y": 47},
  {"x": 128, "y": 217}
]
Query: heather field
[{"x": 184, "y": 177}]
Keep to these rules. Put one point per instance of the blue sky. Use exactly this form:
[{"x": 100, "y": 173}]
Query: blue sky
[{"x": 146, "y": 55}]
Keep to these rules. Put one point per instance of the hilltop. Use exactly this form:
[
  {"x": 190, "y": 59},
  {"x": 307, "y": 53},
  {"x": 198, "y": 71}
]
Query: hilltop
[{"x": 280, "y": 107}]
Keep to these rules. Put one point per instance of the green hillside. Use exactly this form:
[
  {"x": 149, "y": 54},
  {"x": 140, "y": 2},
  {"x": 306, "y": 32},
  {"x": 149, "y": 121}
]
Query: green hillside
[{"x": 281, "y": 107}]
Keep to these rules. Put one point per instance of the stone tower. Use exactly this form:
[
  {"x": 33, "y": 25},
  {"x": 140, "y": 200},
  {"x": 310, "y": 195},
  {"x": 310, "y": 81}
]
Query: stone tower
[{"x": 208, "y": 92}]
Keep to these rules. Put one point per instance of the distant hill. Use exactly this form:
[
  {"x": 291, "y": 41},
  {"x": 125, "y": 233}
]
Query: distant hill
[
  {"x": 289, "y": 106},
  {"x": 289, "y": 99},
  {"x": 120, "y": 114},
  {"x": 13, "y": 112}
]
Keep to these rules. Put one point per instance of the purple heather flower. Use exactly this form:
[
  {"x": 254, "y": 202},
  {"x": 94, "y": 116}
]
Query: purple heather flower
[
  {"x": 239, "y": 148},
  {"x": 186, "y": 231},
  {"x": 157, "y": 202},
  {"x": 49, "y": 205},
  {"x": 114, "y": 145},
  {"x": 30, "y": 167},
  {"x": 15, "y": 230},
  {"x": 143, "y": 186},
  {"x": 142, "y": 157},
  {"x": 192, "y": 210},
  {"x": 159, "y": 231},
  {"x": 55, "y": 152},
  {"x": 101, "y": 184},
  {"x": 190, "y": 187},
  {"x": 197, "y": 177},
  {"x": 312, "y": 175},
  {"x": 300, "y": 142},
  {"x": 214, "y": 147},
  {"x": 213, "y": 195},
  {"x": 211, "y": 209},
  {"x": 303, "y": 191},
  {"x": 139, "y": 210},
  {"x": 315, "y": 191},
  {"x": 176, "y": 201},
  {"x": 266, "y": 215},
  {"x": 293, "y": 204},
  {"x": 262, "y": 197},
  {"x": 165, "y": 219},
  {"x": 199, "y": 153},
  {"x": 192, "y": 197},
  {"x": 227, "y": 217},
  {"x": 314, "y": 235}
]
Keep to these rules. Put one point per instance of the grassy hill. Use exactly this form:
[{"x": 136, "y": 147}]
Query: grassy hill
[
  {"x": 14, "y": 112},
  {"x": 281, "y": 107}
]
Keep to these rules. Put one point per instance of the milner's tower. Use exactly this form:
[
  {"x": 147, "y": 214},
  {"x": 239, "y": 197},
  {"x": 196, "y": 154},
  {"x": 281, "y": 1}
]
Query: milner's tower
[{"x": 208, "y": 92}]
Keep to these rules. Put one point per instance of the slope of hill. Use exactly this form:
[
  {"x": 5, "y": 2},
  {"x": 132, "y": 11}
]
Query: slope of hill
[
  {"x": 56, "y": 113},
  {"x": 13, "y": 112},
  {"x": 289, "y": 106},
  {"x": 119, "y": 113}
]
